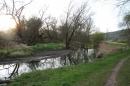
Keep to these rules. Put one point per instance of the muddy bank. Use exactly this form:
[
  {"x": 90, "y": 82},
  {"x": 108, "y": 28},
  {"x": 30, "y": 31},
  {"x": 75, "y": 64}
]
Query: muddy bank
[{"x": 36, "y": 57}]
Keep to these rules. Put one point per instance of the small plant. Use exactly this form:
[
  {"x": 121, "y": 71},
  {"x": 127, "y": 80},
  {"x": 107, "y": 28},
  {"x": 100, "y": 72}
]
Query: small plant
[{"x": 2, "y": 53}]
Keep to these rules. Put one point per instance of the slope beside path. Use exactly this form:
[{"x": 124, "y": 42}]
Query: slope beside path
[{"x": 112, "y": 79}]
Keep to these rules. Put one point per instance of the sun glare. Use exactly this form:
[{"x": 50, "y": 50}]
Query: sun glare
[{"x": 6, "y": 22}]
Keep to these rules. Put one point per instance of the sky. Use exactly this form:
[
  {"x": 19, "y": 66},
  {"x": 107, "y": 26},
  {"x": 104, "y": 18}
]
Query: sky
[{"x": 105, "y": 16}]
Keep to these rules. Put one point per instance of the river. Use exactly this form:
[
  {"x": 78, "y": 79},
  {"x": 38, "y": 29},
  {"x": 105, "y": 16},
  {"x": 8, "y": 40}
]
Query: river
[{"x": 14, "y": 69}]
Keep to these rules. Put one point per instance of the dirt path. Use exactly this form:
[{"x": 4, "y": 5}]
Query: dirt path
[{"x": 112, "y": 79}]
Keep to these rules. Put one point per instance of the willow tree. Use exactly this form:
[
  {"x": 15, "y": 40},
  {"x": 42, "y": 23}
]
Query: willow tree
[{"x": 31, "y": 30}]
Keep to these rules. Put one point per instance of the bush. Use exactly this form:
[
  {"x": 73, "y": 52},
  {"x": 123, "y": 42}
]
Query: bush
[{"x": 96, "y": 38}]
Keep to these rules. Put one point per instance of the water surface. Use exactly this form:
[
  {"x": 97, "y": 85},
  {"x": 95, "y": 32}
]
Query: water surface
[{"x": 11, "y": 70}]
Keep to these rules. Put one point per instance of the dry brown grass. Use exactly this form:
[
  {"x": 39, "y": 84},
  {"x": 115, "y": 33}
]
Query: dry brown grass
[
  {"x": 20, "y": 53},
  {"x": 105, "y": 49}
]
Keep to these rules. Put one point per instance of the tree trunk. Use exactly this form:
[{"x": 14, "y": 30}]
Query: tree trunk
[{"x": 67, "y": 45}]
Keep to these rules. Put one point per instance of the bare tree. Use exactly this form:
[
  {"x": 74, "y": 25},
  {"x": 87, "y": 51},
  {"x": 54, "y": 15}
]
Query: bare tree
[
  {"x": 74, "y": 23},
  {"x": 124, "y": 6},
  {"x": 123, "y": 2},
  {"x": 89, "y": 28},
  {"x": 126, "y": 25},
  {"x": 49, "y": 30},
  {"x": 119, "y": 2},
  {"x": 84, "y": 36},
  {"x": 14, "y": 9}
]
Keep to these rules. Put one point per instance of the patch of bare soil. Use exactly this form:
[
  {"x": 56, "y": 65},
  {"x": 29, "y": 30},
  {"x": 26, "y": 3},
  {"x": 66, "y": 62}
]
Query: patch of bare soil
[{"x": 112, "y": 79}]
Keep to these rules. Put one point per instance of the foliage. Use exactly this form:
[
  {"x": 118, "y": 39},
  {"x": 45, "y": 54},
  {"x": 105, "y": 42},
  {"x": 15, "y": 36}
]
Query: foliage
[
  {"x": 31, "y": 30},
  {"x": 84, "y": 74},
  {"x": 96, "y": 38}
]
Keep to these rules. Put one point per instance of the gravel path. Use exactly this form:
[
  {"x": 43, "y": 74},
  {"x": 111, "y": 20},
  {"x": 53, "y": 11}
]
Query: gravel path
[{"x": 112, "y": 79}]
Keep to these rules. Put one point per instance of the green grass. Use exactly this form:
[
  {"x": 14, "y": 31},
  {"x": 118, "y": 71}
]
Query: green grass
[
  {"x": 84, "y": 74},
  {"x": 117, "y": 44},
  {"x": 43, "y": 47},
  {"x": 30, "y": 50},
  {"x": 123, "y": 77}
]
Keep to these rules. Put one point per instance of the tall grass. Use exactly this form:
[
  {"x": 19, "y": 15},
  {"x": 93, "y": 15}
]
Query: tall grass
[{"x": 84, "y": 74}]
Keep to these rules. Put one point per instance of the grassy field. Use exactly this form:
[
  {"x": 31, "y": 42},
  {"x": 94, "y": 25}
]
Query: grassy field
[
  {"x": 123, "y": 77},
  {"x": 117, "y": 44},
  {"x": 29, "y": 50},
  {"x": 84, "y": 74}
]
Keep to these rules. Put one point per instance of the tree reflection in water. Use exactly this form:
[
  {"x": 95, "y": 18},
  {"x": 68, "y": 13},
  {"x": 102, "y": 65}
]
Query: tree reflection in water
[
  {"x": 75, "y": 57},
  {"x": 12, "y": 70},
  {"x": 33, "y": 65}
]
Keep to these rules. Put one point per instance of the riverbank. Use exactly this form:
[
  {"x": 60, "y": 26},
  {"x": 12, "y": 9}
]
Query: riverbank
[
  {"x": 105, "y": 48},
  {"x": 84, "y": 74},
  {"x": 26, "y": 51},
  {"x": 36, "y": 57}
]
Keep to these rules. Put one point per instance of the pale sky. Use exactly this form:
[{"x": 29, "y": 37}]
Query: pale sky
[{"x": 106, "y": 16}]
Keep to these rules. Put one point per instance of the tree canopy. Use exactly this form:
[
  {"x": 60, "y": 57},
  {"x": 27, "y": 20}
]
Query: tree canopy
[{"x": 96, "y": 38}]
